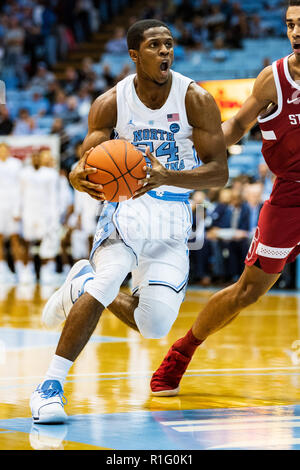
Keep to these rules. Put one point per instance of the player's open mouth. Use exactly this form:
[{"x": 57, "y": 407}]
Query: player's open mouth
[
  {"x": 296, "y": 47},
  {"x": 164, "y": 67}
]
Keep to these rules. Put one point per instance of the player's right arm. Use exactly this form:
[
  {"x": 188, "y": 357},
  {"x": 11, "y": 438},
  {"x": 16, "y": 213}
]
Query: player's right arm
[
  {"x": 101, "y": 121},
  {"x": 263, "y": 94}
]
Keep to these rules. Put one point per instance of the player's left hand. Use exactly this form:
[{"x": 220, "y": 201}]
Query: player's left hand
[{"x": 157, "y": 175}]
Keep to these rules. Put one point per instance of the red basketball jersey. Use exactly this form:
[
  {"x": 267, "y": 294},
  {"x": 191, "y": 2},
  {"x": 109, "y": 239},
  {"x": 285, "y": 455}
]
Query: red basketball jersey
[{"x": 281, "y": 129}]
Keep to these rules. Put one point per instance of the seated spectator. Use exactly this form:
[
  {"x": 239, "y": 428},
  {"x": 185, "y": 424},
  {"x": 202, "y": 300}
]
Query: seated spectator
[
  {"x": 255, "y": 27},
  {"x": 185, "y": 10},
  {"x": 84, "y": 101},
  {"x": 219, "y": 53},
  {"x": 199, "y": 31},
  {"x": 226, "y": 9},
  {"x": 214, "y": 21},
  {"x": 42, "y": 78},
  {"x": 117, "y": 45},
  {"x": 253, "y": 197},
  {"x": 71, "y": 81},
  {"x": 14, "y": 41},
  {"x": 200, "y": 258},
  {"x": 39, "y": 105},
  {"x": 71, "y": 113},
  {"x": 186, "y": 39},
  {"x": 60, "y": 104},
  {"x": 24, "y": 124},
  {"x": 58, "y": 128},
  {"x": 204, "y": 10},
  {"x": 177, "y": 28},
  {"x": 86, "y": 73},
  {"x": 108, "y": 76},
  {"x": 6, "y": 124}
]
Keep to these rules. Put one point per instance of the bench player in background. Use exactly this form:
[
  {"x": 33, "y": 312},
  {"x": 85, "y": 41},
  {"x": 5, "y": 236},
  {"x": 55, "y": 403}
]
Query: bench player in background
[
  {"x": 165, "y": 113},
  {"x": 275, "y": 103},
  {"x": 10, "y": 169},
  {"x": 39, "y": 213}
]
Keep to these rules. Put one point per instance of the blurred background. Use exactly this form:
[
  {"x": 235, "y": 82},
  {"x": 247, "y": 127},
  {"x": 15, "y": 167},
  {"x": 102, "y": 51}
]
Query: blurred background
[{"x": 56, "y": 57}]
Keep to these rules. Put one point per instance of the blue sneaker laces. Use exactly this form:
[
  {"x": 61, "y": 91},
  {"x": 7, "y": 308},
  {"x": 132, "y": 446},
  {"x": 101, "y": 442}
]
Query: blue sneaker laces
[{"x": 52, "y": 388}]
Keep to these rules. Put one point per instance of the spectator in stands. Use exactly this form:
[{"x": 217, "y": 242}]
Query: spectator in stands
[
  {"x": 200, "y": 259},
  {"x": 71, "y": 81},
  {"x": 49, "y": 32},
  {"x": 71, "y": 114},
  {"x": 226, "y": 9},
  {"x": 39, "y": 106},
  {"x": 42, "y": 78},
  {"x": 239, "y": 243},
  {"x": 186, "y": 39},
  {"x": 153, "y": 9},
  {"x": 117, "y": 45},
  {"x": 219, "y": 53},
  {"x": 6, "y": 124},
  {"x": 108, "y": 76},
  {"x": 59, "y": 107},
  {"x": 58, "y": 128},
  {"x": 83, "y": 26},
  {"x": 215, "y": 21},
  {"x": 185, "y": 10},
  {"x": 253, "y": 197},
  {"x": 84, "y": 101},
  {"x": 255, "y": 28},
  {"x": 14, "y": 41},
  {"x": 204, "y": 10},
  {"x": 199, "y": 31},
  {"x": 86, "y": 73},
  {"x": 24, "y": 124}
]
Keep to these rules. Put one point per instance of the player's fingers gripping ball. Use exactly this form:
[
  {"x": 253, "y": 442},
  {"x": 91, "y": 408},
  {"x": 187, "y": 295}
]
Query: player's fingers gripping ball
[{"x": 120, "y": 167}]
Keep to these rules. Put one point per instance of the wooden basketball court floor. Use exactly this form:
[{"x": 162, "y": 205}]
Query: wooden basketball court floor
[{"x": 241, "y": 391}]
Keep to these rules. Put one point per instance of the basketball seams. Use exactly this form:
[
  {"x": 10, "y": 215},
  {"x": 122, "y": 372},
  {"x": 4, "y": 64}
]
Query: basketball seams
[
  {"x": 109, "y": 182},
  {"x": 127, "y": 176},
  {"x": 111, "y": 157},
  {"x": 125, "y": 143}
]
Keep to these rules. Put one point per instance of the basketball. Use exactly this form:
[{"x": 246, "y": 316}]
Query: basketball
[{"x": 120, "y": 167}]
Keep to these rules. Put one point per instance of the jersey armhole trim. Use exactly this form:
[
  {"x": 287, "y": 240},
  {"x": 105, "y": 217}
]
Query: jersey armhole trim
[{"x": 279, "y": 96}]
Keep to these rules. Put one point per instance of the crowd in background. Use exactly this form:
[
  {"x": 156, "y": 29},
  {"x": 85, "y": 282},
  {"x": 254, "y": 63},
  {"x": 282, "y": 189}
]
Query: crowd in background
[{"x": 35, "y": 34}]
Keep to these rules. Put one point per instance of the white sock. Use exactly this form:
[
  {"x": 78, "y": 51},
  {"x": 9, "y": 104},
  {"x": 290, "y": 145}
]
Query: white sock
[{"x": 58, "y": 369}]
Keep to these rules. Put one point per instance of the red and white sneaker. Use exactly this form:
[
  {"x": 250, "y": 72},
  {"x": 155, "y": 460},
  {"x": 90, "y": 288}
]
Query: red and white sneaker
[{"x": 165, "y": 380}]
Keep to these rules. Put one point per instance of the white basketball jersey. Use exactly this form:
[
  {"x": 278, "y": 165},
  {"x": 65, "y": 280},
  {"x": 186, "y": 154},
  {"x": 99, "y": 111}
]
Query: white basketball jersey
[{"x": 165, "y": 130}]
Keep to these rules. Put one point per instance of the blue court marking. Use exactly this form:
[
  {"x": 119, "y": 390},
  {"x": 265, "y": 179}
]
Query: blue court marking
[
  {"x": 231, "y": 428},
  {"x": 23, "y": 338}
]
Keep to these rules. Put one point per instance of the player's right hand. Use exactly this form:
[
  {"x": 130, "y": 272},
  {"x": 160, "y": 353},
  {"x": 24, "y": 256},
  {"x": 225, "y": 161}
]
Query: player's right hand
[{"x": 78, "y": 179}]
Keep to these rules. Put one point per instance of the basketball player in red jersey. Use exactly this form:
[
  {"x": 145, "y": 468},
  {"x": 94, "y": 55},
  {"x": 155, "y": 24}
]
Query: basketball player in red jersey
[{"x": 275, "y": 103}]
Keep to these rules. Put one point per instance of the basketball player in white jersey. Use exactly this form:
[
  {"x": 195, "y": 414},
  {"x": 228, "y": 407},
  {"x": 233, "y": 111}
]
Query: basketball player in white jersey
[
  {"x": 39, "y": 190},
  {"x": 164, "y": 114},
  {"x": 9, "y": 197}
]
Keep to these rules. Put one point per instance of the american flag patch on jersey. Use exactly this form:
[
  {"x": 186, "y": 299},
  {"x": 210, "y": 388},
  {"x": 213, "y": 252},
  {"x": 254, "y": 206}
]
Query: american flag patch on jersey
[{"x": 173, "y": 117}]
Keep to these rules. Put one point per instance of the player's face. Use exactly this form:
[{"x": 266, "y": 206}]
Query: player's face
[
  {"x": 293, "y": 28},
  {"x": 155, "y": 55}
]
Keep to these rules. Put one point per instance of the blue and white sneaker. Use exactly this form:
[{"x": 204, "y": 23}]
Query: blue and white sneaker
[
  {"x": 47, "y": 403},
  {"x": 60, "y": 303}
]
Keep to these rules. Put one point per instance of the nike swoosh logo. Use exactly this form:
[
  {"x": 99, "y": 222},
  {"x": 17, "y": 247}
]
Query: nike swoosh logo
[{"x": 292, "y": 101}]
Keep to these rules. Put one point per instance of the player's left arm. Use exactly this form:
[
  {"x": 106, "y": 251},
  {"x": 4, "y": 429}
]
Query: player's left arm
[{"x": 204, "y": 116}]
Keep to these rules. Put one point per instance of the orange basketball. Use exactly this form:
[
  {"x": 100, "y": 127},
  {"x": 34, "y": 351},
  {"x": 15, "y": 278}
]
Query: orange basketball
[{"x": 120, "y": 167}]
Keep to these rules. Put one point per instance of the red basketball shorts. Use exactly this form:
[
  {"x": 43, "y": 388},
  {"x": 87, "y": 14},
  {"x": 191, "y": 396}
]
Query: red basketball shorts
[{"x": 277, "y": 238}]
